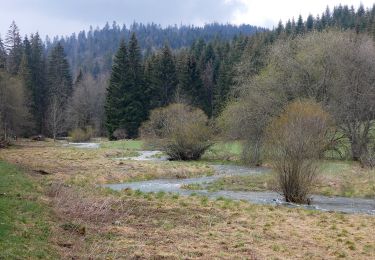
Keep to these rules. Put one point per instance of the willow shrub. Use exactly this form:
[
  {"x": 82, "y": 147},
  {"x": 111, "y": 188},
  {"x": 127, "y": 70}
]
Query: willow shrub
[
  {"x": 181, "y": 131},
  {"x": 294, "y": 142}
]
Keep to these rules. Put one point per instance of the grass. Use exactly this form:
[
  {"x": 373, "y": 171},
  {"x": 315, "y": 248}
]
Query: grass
[
  {"x": 104, "y": 224},
  {"x": 123, "y": 144},
  {"x": 345, "y": 178},
  {"x": 337, "y": 178},
  {"x": 224, "y": 152},
  {"x": 261, "y": 182},
  {"x": 24, "y": 226}
]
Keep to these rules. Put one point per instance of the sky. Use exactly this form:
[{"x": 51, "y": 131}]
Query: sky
[{"x": 63, "y": 17}]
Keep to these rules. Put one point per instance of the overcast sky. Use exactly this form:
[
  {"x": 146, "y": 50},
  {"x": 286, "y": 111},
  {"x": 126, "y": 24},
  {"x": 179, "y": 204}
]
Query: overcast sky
[{"x": 63, "y": 17}]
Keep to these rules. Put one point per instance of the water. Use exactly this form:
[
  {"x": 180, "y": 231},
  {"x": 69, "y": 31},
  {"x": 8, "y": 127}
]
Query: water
[
  {"x": 84, "y": 145},
  {"x": 146, "y": 156},
  {"x": 323, "y": 203}
]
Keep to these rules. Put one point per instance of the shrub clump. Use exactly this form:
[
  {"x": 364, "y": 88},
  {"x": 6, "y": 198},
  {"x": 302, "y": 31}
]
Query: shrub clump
[
  {"x": 294, "y": 141},
  {"x": 181, "y": 131},
  {"x": 81, "y": 135},
  {"x": 120, "y": 134}
]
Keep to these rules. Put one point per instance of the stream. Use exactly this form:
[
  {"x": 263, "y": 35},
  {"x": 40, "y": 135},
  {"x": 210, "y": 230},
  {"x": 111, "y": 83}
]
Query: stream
[
  {"x": 83, "y": 145},
  {"x": 322, "y": 203}
]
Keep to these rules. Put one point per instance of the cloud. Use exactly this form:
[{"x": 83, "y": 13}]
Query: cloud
[
  {"x": 63, "y": 17},
  {"x": 268, "y": 13}
]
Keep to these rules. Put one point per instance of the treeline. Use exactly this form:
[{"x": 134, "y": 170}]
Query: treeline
[
  {"x": 37, "y": 92},
  {"x": 200, "y": 75},
  {"x": 151, "y": 69},
  {"x": 92, "y": 50}
]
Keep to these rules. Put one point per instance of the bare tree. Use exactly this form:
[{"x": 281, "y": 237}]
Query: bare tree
[
  {"x": 333, "y": 68},
  {"x": 56, "y": 117},
  {"x": 86, "y": 107},
  {"x": 13, "y": 111}
]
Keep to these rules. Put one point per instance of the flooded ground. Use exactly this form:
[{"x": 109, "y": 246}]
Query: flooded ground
[
  {"x": 83, "y": 145},
  {"x": 323, "y": 203},
  {"x": 146, "y": 156}
]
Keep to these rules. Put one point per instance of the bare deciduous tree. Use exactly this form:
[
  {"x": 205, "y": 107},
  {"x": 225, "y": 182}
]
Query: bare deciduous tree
[
  {"x": 86, "y": 107},
  {"x": 13, "y": 111},
  {"x": 333, "y": 68},
  {"x": 56, "y": 117}
]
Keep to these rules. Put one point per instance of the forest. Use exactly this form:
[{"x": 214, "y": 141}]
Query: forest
[{"x": 48, "y": 88}]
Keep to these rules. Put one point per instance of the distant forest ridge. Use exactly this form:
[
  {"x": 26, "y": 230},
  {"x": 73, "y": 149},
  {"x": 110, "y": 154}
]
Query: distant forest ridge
[{"x": 93, "y": 50}]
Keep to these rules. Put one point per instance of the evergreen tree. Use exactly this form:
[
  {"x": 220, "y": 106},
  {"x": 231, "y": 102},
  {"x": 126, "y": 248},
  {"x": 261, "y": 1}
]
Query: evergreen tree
[
  {"x": 288, "y": 28},
  {"x": 309, "y": 23},
  {"x": 38, "y": 82},
  {"x": 13, "y": 45},
  {"x": 25, "y": 70},
  {"x": 280, "y": 28},
  {"x": 134, "y": 100},
  {"x": 167, "y": 76},
  {"x": 116, "y": 89},
  {"x": 300, "y": 28},
  {"x": 126, "y": 106},
  {"x": 3, "y": 55},
  {"x": 59, "y": 80}
]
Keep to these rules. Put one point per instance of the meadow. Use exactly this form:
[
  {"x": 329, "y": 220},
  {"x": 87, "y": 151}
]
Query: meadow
[{"x": 53, "y": 206}]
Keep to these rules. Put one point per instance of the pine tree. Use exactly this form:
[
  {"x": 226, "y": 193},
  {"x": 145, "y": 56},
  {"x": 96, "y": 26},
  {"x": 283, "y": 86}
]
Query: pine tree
[
  {"x": 58, "y": 74},
  {"x": 134, "y": 100},
  {"x": 288, "y": 28},
  {"x": 167, "y": 76},
  {"x": 126, "y": 106},
  {"x": 13, "y": 45},
  {"x": 309, "y": 23},
  {"x": 115, "y": 90},
  {"x": 39, "y": 92},
  {"x": 280, "y": 28},
  {"x": 3, "y": 55},
  {"x": 300, "y": 27}
]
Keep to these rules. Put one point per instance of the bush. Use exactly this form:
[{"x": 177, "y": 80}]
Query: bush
[
  {"x": 81, "y": 135},
  {"x": 181, "y": 131},
  {"x": 120, "y": 134},
  {"x": 368, "y": 160},
  {"x": 294, "y": 142},
  {"x": 4, "y": 143}
]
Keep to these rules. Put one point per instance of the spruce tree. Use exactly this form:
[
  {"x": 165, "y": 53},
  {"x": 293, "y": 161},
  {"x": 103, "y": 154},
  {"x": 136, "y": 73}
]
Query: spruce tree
[
  {"x": 134, "y": 99},
  {"x": 3, "y": 55},
  {"x": 58, "y": 74},
  {"x": 116, "y": 90},
  {"x": 13, "y": 45},
  {"x": 309, "y": 23},
  {"x": 167, "y": 77},
  {"x": 38, "y": 77},
  {"x": 300, "y": 28}
]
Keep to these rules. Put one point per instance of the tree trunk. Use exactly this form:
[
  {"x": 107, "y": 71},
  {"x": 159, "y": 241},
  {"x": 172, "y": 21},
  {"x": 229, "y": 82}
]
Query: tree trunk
[{"x": 358, "y": 148}]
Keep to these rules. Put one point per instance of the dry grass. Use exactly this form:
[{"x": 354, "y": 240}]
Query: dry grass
[
  {"x": 96, "y": 166},
  {"x": 98, "y": 223}
]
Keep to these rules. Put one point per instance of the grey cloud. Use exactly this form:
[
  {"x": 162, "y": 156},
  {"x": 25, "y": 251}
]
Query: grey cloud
[{"x": 97, "y": 12}]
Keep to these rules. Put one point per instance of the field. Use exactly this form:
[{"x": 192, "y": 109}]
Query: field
[{"x": 53, "y": 207}]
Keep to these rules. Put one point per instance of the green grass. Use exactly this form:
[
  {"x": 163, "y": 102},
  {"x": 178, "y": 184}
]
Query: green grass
[
  {"x": 337, "y": 178},
  {"x": 261, "y": 182},
  {"x": 123, "y": 144},
  {"x": 24, "y": 229},
  {"x": 223, "y": 151}
]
